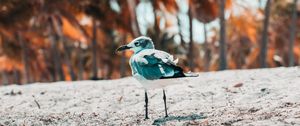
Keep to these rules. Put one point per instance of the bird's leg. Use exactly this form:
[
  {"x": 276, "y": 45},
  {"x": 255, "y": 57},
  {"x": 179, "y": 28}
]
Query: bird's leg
[
  {"x": 164, "y": 97},
  {"x": 146, "y": 105}
]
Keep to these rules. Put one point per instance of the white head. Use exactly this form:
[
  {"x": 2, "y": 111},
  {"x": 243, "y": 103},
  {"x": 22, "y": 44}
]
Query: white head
[{"x": 138, "y": 44}]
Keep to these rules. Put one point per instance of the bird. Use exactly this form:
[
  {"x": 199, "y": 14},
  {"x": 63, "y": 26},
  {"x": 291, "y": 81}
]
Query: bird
[{"x": 152, "y": 67}]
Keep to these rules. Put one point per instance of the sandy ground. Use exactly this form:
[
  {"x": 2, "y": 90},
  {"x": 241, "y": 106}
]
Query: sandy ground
[{"x": 239, "y": 97}]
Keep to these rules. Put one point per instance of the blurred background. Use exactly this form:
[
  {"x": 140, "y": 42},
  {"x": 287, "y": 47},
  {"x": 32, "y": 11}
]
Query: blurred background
[{"x": 68, "y": 40}]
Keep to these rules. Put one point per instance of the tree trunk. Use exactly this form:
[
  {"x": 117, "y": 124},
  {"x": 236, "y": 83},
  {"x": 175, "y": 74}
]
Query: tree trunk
[
  {"x": 164, "y": 38},
  {"x": 206, "y": 49},
  {"x": 4, "y": 78},
  {"x": 68, "y": 61},
  {"x": 80, "y": 63},
  {"x": 134, "y": 23},
  {"x": 16, "y": 77},
  {"x": 155, "y": 38},
  {"x": 264, "y": 40},
  {"x": 182, "y": 43},
  {"x": 50, "y": 73},
  {"x": 58, "y": 59},
  {"x": 293, "y": 27},
  {"x": 223, "y": 61},
  {"x": 123, "y": 61},
  {"x": 94, "y": 49},
  {"x": 67, "y": 58},
  {"x": 55, "y": 53},
  {"x": 191, "y": 44},
  {"x": 24, "y": 58}
]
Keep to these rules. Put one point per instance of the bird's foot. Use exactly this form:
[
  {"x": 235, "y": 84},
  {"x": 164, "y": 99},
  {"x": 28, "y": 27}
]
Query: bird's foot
[{"x": 146, "y": 118}]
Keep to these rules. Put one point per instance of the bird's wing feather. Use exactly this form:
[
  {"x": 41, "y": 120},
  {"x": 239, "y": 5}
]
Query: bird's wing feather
[
  {"x": 151, "y": 57},
  {"x": 153, "y": 64}
]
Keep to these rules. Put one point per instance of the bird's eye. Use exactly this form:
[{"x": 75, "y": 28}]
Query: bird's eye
[{"x": 136, "y": 43}]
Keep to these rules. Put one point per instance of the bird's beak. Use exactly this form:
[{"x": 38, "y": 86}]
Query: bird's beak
[{"x": 122, "y": 48}]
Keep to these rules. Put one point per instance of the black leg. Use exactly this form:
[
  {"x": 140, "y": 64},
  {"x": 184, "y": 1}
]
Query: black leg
[
  {"x": 146, "y": 105},
  {"x": 164, "y": 97}
]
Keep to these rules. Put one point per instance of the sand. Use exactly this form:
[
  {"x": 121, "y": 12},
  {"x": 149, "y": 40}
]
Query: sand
[{"x": 255, "y": 97}]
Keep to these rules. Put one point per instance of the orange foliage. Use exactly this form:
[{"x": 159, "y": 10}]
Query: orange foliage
[
  {"x": 244, "y": 25},
  {"x": 35, "y": 39},
  {"x": 252, "y": 58},
  {"x": 207, "y": 10},
  {"x": 8, "y": 64},
  {"x": 167, "y": 6},
  {"x": 70, "y": 31},
  {"x": 66, "y": 72}
]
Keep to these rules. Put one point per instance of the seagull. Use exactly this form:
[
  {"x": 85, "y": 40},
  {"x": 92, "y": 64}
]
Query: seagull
[{"x": 153, "y": 68}]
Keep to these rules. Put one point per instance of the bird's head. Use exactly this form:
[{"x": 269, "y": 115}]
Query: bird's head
[{"x": 138, "y": 44}]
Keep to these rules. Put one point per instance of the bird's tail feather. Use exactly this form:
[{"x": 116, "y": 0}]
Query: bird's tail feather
[
  {"x": 179, "y": 73},
  {"x": 191, "y": 74}
]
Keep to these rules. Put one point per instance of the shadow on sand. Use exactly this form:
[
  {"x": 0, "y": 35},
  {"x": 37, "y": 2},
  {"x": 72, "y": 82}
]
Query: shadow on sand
[{"x": 161, "y": 121}]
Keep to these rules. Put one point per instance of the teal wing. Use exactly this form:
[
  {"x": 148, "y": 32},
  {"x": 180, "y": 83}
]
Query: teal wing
[{"x": 154, "y": 65}]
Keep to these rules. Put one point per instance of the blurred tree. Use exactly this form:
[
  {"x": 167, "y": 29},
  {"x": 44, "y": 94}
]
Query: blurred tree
[
  {"x": 207, "y": 52},
  {"x": 182, "y": 42},
  {"x": 123, "y": 58},
  {"x": 264, "y": 40},
  {"x": 207, "y": 11},
  {"x": 191, "y": 44},
  {"x": 133, "y": 18},
  {"x": 242, "y": 42},
  {"x": 57, "y": 24},
  {"x": 24, "y": 57},
  {"x": 16, "y": 77},
  {"x": 4, "y": 78},
  {"x": 80, "y": 62},
  {"x": 155, "y": 37},
  {"x": 94, "y": 49},
  {"x": 293, "y": 27},
  {"x": 164, "y": 12},
  {"x": 54, "y": 38},
  {"x": 223, "y": 60},
  {"x": 280, "y": 33}
]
